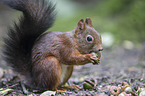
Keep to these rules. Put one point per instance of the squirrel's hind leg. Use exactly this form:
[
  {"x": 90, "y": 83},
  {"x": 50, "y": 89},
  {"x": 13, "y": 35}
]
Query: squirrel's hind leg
[{"x": 46, "y": 74}]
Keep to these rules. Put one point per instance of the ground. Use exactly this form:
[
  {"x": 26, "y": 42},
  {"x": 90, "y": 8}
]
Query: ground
[{"x": 119, "y": 67}]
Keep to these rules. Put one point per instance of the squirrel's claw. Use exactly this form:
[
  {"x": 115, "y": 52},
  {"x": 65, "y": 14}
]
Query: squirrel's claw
[{"x": 95, "y": 60}]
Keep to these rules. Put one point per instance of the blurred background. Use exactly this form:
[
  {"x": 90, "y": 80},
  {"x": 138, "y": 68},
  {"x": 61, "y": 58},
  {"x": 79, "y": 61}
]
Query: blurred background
[{"x": 120, "y": 22}]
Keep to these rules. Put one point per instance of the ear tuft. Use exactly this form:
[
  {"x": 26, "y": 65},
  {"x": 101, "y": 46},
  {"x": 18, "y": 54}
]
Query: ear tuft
[
  {"x": 89, "y": 21},
  {"x": 81, "y": 24}
]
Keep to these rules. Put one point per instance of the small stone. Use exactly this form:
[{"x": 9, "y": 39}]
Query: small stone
[
  {"x": 128, "y": 90},
  {"x": 122, "y": 94},
  {"x": 141, "y": 90},
  {"x": 142, "y": 93},
  {"x": 48, "y": 93},
  {"x": 81, "y": 79},
  {"x": 100, "y": 94}
]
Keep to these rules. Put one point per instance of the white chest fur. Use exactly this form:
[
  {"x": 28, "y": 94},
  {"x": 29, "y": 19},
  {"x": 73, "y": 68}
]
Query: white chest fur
[{"x": 64, "y": 72}]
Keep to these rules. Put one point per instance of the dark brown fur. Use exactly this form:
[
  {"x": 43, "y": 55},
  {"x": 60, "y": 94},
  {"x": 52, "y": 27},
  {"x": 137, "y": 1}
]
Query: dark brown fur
[
  {"x": 66, "y": 48},
  {"x": 47, "y": 59}
]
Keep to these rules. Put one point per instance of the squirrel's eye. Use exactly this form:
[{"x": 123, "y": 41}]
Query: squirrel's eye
[{"x": 89, "y": 38}]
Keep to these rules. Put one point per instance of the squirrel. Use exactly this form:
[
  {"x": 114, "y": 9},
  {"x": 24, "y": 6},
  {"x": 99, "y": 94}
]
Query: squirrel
[{"x": 45, "y": 58}]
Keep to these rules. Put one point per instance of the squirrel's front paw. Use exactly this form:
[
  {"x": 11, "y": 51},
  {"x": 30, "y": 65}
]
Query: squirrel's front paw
[{"x": 94, "y": 58}]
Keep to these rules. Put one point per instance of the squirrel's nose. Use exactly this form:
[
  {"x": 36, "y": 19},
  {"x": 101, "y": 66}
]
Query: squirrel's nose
[
  {"x": 100, "y": 49},
  {"x": 97, "y": 48}
]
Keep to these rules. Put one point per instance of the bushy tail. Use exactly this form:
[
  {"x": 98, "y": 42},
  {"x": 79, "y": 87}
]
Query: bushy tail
[{"x": 38, "y": 16}]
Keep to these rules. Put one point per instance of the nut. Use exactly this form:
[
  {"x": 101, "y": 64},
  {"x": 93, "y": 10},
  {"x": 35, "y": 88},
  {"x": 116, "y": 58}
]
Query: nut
[
  {"x": 140, "y": 90},
  {"x": 142, "y": 93},
  {"x": 128, "y": 90},
  {"x": 94, "y": 54},
  {"x": 87, "y": 86},
  {"x": 122, "y": 94},
  {"x": 114, "y": 90},
  {"x": 124, "y": 86}
]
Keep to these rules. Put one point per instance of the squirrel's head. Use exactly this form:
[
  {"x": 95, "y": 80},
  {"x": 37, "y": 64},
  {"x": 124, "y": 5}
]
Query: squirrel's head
[{"x": 87, "y": 38}]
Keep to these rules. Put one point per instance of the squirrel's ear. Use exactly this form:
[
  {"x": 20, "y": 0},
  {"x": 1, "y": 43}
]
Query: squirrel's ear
[
  {"x": 81, "y": 25},
  {"x": 89, "y": 21}
]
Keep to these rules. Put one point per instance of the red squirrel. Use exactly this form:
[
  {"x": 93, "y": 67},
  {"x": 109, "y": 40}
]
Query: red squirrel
[{"x": 46, "y": 59}]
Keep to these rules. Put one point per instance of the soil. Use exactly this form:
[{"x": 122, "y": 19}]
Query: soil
[{"x": 119, "y": 68}]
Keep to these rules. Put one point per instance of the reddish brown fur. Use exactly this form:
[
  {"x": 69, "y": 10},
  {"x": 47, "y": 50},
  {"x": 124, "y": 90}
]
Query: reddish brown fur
[
  {"x": 54, "y": 49},
  {"x": 48, "y": 58},
  {"x": 47, "y": 73}
]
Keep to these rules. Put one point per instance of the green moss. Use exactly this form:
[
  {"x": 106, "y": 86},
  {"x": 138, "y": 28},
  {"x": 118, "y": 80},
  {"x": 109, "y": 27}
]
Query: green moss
[{"x": 125, "y": 19}]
